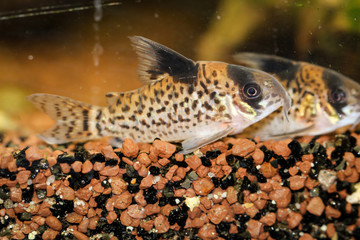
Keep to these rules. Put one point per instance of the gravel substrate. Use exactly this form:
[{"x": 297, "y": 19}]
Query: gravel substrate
[{"x": 235, "y": 189}]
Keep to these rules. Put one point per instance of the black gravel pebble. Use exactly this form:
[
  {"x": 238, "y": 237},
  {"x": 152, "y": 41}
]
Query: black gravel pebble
[
  {"x": 5, "y": 173},
  {"x": 27, "y": 193},
  {"x": 212, "y": 154},
  {"x": 150, "y": 195},
  {"x": 227, "y": 181},
  {"x": 223, "y": 229},
  {"x": 205, "y": 161},
  {"x": 61, "y": 207},
  {"x": 97, "y": 158},
  {"x": 65, "y": 158},
  {"x": 21, "y": 160},
  {"x": 111, "y": 162},
  {"x": 178, "y": 216},
  {"x": 296, "y": 149},
  {"x": 154, "y": 170}
]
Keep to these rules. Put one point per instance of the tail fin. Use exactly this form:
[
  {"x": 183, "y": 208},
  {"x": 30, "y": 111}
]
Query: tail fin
[{"x": 75, "y": 120}]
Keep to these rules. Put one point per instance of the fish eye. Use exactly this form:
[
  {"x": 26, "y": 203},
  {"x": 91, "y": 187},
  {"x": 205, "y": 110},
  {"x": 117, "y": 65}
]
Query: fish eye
[
  {"x": 337, "y": 96},
  {"x": 251, "y": 90}
]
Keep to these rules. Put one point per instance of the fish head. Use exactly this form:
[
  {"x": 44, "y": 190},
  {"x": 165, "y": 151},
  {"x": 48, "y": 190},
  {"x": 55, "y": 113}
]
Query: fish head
[
  {"x": 257, "y": 94},
  {"x": 323, "y": 100},
  {"x": 338, "y": 102}
]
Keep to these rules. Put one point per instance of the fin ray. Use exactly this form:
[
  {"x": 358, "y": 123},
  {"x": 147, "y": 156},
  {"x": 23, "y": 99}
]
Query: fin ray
[
  {"x": 75, "y": 120},
  {"x": 205, "y": 137},
  {"x": 157, "y": 62}
]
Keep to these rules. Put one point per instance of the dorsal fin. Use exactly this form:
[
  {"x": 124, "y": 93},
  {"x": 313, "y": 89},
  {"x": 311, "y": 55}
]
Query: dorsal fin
[
  {"x": 157, "y": 61},
  {"x": 268, "y": 63}
]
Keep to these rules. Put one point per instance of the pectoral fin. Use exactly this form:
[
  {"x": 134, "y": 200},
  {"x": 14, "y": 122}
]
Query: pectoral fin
[
  {"x": 293, "y": 133},
  {"x": 205, "y": 136}
]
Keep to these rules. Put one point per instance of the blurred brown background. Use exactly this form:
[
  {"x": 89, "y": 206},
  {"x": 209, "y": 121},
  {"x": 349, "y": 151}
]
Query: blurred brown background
[{"x": 81, "y": 49}]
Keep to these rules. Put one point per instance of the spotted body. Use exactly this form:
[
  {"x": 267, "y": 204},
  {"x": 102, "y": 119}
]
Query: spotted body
[
  {"x": 323, "y": 100},
  {"x": 184, "y": 101}
]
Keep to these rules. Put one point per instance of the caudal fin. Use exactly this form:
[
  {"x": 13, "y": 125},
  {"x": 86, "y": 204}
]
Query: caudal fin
[{"x": 75, "y": 120}]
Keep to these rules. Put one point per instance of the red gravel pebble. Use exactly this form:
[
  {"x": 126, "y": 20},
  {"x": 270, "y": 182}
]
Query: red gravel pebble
[
  {"x": 111, "y": 217},
  {"x": 23, "y": 176},
  {"x": 231, "y": 195},
  {"x": 170, "y": 173},
  {"x": 49, "y": 234},
  {"x": 147, "y": 225},
  {"x": 330, "y": 230},
  {"x": 129, "y": 148},
  {"x": 203, "y": 171},
  {"x": 79, "y": 236},
  {"x": 315, "y": 206},
  {"x": 258, "y": 156},
  {"x": 267, "y": 170},
  {"x": 164, "y": 149},
  {"x": 109, "y": 153},
  {"x": 306, "y": 236},
  {"x": 269, "y": 219},
  {"x": 152, "y": 209},
  {"x": 140, "y": 198},
  {"x": 207, "y": 231},
  {"x": 250, "y": 209},
  {"x": 281, "y": 196},
  {"x": 33, "y": 153},
  {"x": 194, "y": 162},
  {"x": 87, "y": 166},
  {"x": 83, "y": 225},
  {"x": 144, "y": 159},
  {"x": 147, "y": 182},
  {"x": 161, "y": 224},
  {"x": 163, "y": 161},
  {"x": 217, "y": 213},
  {"x": 136, "y": 211},
  {"x": 123, "y": 200},
  {"x": 203, "y": 186},
  {"x": 53, "y": 223},
  {"x": 110, "y": 171},
  {"x": 254, "y": 228},
  {"x": 93, "y": 221},
  {"x": 281, "y": 148},
  {"x": 66, "y": 193},
  {"x": 294, "y": 219},
  {"x": 125, "y": 218},
  {"x": 98, "y": 166},
  {"x": 297, "y": 182},
  {"x": 16, "y": 194},
  {"x": 73, "y": 217},
  {"x": 281, "y": 214},
  {"x": 305, "y": 167},
  {"x": 332, "y": 212},
  {"x": 76, "y": 166},
  {"x": 243, "y": 147},
  {"x": 118, "y": 185}
]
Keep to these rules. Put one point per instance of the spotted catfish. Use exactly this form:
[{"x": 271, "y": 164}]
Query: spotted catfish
[
  {"x": 323, "y": 100},
  {"x": 184, "y": 101}
]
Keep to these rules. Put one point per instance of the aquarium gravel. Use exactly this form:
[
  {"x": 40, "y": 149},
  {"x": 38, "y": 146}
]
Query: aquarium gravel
[{"x": 232, "y": 189}]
